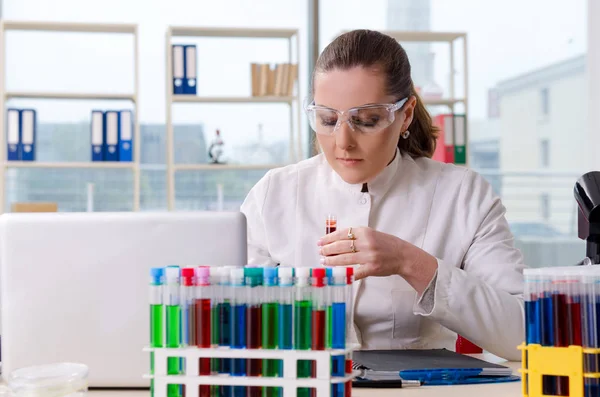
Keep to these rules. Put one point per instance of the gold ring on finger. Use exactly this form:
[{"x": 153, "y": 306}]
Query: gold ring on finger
[
  {"x": 350, "y": 234},
  {"x": 352, "y": 247}
]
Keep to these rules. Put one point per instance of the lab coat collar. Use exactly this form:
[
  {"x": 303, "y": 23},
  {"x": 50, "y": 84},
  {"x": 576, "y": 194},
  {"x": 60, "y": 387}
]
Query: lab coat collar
[{"x": 379, "y": 185}]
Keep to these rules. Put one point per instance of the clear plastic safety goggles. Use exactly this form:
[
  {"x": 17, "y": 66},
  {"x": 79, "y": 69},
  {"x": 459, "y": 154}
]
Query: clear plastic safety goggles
[{"x": 368, "y": 119}]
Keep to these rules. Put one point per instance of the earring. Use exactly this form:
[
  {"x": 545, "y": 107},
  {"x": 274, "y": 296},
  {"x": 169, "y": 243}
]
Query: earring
[{"x": 405, "y": 134}]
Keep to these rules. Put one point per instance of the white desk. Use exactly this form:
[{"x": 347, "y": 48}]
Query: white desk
[{"x": 510, "y": 389}]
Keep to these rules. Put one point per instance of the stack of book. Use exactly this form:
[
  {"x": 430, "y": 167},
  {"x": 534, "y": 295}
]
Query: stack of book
[
  {"x": 273, "y": 80},
  {"x": 452, "y": 138},
  {"x": 112, "y": 135},
  {"x": 21, "y": 134}
]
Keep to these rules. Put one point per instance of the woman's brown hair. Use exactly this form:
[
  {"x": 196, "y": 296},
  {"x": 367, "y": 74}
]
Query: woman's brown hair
[{"x": 368, "y": 48}]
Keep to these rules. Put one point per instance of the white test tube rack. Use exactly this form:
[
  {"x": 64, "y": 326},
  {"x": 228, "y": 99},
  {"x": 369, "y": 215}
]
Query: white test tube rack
[{"x": 288, "y": 382}]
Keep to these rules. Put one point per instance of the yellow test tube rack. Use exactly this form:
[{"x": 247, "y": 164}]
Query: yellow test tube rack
[{"x": 539, "y": 361}]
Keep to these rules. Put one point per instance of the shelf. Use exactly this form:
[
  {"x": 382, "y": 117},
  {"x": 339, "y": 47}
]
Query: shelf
[
  {"x": 443, "y": 102},
  {"x": 233, "y": 99},
  {"x": 67, "y": 95},
  {"x": 425, "y": 36},
  {"x": 224, "y": 167},
  {"x": 232, "y": 32},
  {"x": 69, "y": 27},
  {"x": 97, "y": 165}
]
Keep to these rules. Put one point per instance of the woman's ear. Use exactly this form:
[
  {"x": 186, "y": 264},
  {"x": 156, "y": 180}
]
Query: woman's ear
[{"x": 409, "y": 112}]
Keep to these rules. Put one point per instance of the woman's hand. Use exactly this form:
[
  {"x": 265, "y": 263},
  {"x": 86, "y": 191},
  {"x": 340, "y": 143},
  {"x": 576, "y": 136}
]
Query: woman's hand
[{"x": 379, "y": 254}]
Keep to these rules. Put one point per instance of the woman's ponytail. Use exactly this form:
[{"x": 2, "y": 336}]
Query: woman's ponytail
[{"x": 423, "y": 134}]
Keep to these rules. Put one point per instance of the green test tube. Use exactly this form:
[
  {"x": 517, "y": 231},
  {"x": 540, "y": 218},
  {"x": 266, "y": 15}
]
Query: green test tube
[{"x": 157, "y": 317}]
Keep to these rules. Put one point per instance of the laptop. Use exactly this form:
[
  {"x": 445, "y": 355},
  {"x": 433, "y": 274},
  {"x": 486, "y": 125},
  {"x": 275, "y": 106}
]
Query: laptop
[{"x": 74, "y": 286}]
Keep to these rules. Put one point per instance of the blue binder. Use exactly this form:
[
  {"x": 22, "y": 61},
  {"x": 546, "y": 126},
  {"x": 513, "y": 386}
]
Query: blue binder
[
  {"x": 178, "y": 63},
  {"x": 189, "y": 82},
  {"x": 111, "y": 137},
  {"x": 97, "y": 135},
  {"x": 125, "y": 135},
  {"x": 28, "y": 134},
  {"x": 13, "y": 134}
]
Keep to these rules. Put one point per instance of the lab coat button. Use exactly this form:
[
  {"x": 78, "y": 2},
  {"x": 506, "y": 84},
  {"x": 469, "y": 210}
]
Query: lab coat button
[{"x": 362, "y": 201}]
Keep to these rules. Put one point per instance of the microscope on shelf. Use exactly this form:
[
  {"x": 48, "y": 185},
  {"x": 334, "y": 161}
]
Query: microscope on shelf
[{"x": 587, "y": 195}]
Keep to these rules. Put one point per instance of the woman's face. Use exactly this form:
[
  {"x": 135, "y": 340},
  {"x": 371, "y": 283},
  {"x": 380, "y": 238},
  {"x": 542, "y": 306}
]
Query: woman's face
[{"x": 355, "y": 156}]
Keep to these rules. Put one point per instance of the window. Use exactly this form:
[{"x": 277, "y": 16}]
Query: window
[
  {"x": 545, "y": 153},
  {"x": 545, "y": 206},
  {"x": 223, "y": 69},
  {"x": 545, "y": 102}
]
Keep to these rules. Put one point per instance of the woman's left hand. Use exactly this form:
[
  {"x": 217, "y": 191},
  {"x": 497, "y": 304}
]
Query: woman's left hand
[{"x": 379, "y": 254}]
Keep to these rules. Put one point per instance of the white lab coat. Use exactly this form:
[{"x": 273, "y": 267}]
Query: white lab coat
[{"x": 449, "y": 211}]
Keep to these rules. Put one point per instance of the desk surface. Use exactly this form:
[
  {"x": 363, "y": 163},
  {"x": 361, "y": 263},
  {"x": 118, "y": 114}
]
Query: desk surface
[{"x": 510, "y": 389}]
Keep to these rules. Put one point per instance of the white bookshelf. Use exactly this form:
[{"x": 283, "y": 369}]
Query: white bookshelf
[
  {"x": 217, "y": 99},
  {"x": 452, "y": 39},
  {"x": 70, "y": 27},
  {"x": 69, "y": 95},
  {"x": 65, "y": 164},
  {"x": 293, "y": 102},
  {"x": 224, "y": 167}
]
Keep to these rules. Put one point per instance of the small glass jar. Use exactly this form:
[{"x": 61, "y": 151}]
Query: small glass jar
[{"x": 52, "y": 380}]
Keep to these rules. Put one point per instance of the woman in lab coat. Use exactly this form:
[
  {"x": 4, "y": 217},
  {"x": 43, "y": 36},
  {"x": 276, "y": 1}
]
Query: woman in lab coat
[{"x": 435, "y": 251}]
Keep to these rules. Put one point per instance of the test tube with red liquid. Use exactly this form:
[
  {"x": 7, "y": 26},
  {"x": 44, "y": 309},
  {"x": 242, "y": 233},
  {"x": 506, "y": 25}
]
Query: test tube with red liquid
[
  {"x": 330, "y": 224},
  {"x": 203, "y": 322},
  {"x": 349, "y": 295},
  {"x": 319, "y": 308}
]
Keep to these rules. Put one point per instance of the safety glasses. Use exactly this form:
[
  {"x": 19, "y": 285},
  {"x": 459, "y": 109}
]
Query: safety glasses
[{"x": 368, "y": 119}]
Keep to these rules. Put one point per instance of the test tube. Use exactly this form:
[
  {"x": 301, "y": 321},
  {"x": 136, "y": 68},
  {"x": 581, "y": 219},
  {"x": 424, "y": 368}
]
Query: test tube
[
  {"x": 330, "y": 227},
  {"x": 590, "y": 329},
  {"x": 285, "y": 331},
  {"x": 172, "y": 301},
  {"x": 238, "y": 325},
  {"x": 187, "y": 306},
  {"x": 254, "y": 297},
  {"x": 329, "y": 311},
  {"x": 532, "y": 311},
  {"x": 270, "y": 308},
  {"x": 214, "y": 290},
  {"x": 549, "y": 383},
  {"x": 560, "y": 323},
  {"x": 319, "y": 308},
  {"x": 338, "y": 326},
  {"x": 349, "y": 295},
  {"x": 532, "y": 306},
  {"x": 203, "y": 322},
  {"x": 320, "y": 305},
  {"x": 225, "y": 296},
  {"x": 157, "y": 317},
  {"x": 330, "y": 224},
  {"x": 302, "y": 323}
]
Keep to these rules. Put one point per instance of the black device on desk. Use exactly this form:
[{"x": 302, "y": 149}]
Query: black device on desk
[
  {"x": 587, "y": 195},
  {"x": 402, "y": 368}
]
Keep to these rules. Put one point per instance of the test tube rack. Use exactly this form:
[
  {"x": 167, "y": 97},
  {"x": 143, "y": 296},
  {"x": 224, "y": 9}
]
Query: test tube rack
[
  {"x": 289, "y": 382},
  {"x": 538, "y": 361}
]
